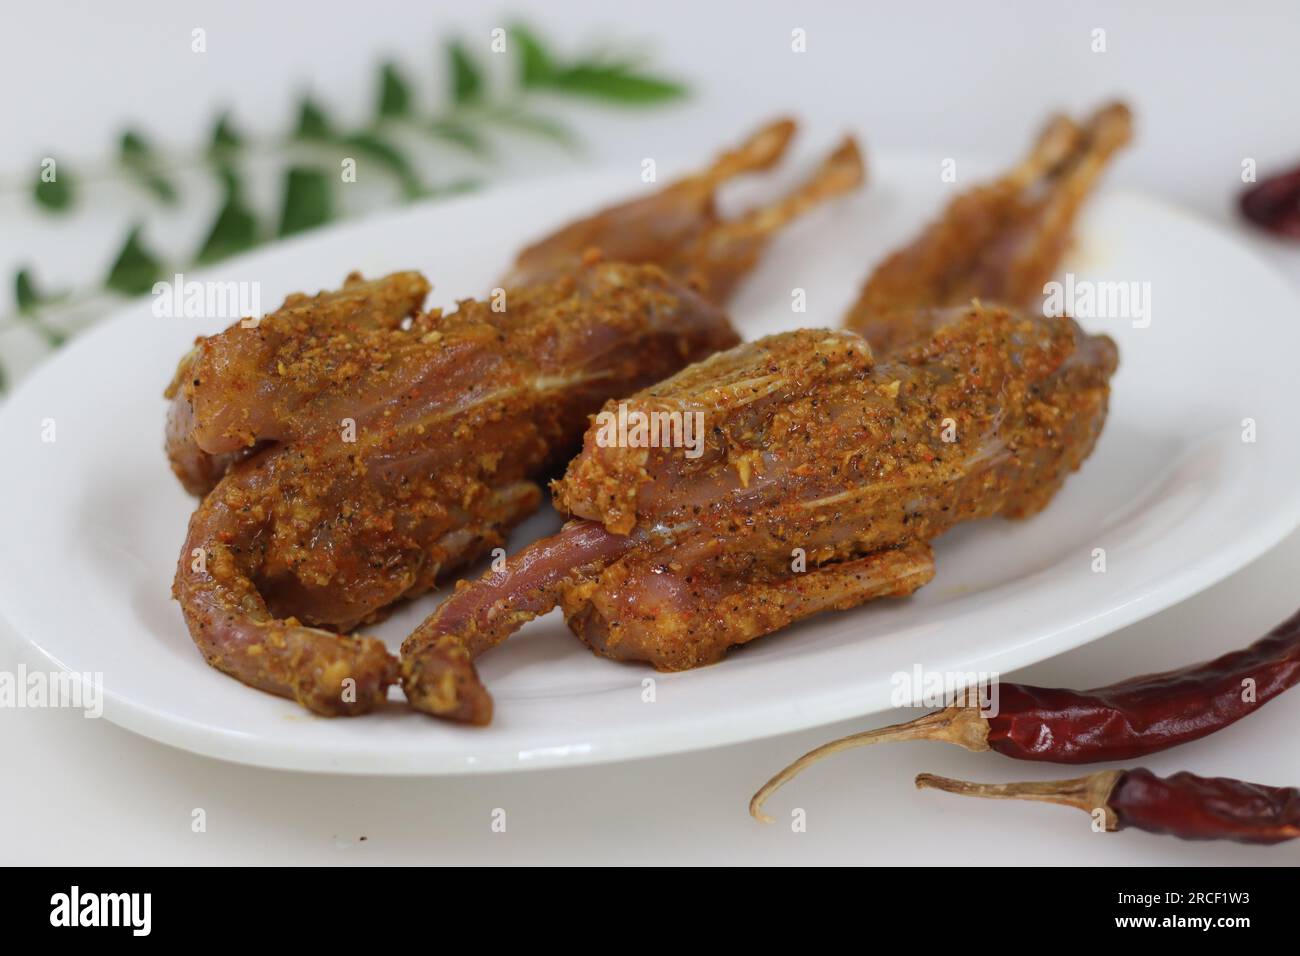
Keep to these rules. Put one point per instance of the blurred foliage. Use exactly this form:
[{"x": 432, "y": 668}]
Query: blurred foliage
[{"x": 308, "y": 186}]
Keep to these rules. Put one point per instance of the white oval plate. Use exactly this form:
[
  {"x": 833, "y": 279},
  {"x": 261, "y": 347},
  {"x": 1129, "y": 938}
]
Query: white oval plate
[{"x": 91, "y": 523}]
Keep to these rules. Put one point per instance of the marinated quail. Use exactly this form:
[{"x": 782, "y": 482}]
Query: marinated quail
[
  {"x": 354, "y": 450},
  {"x": 823, "y": 477}
]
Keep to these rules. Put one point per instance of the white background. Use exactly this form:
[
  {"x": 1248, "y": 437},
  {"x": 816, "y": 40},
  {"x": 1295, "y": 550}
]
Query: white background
[{"x": 1210, "y": 89}]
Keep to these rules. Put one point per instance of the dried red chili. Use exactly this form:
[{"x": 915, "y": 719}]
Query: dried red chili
[
  {"x": 1183, "y": 805},
  {"x": 1274, "y": 204},
  {"x": 1125, "y": 720}
]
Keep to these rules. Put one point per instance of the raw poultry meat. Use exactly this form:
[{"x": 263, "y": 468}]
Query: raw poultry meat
[
  {"x": 418, "y": 461},
  {"x": 824, "y": 474},
  {"x": 356, "y": 450},
  {"x": 228, "y": 395},
  {"x": 680, "y": 227},
  {"x": 999, "y": 242},
  {"x": 830, "y": 461}
]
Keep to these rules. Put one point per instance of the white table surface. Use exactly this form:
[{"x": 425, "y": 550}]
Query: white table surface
[{"x": 1210, "y": 89}]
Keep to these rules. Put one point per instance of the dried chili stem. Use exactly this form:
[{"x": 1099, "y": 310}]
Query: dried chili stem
[
  {"x": 963, "y": 726},
  {"x": 1088, "y": 793}
]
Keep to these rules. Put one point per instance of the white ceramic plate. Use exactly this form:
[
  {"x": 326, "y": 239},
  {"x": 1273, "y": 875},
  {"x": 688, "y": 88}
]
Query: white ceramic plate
[{"x": 91, "y": 523}]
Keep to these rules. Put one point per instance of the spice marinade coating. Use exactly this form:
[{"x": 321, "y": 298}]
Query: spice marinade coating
[
  {"x": 998, "y": 242},
  {"x": 812, "y": 444},
  {"x": 677, "y": 598},
  {"x": 229, "y": 394},
  {"x": 454, "y": 418},
  {"x": 234, "y": 392}
]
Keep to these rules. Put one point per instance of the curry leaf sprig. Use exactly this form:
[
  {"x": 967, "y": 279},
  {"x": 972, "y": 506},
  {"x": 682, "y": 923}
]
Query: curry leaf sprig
[{"x": 308, "y": 156}]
